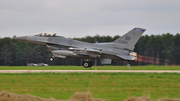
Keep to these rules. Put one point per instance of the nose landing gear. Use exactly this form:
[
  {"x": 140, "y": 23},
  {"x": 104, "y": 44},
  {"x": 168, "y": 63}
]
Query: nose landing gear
[{"x": 52, "y": 58}]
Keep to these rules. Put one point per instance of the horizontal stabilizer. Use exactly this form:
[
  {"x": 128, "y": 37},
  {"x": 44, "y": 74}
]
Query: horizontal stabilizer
[{"x": 127, "y": 57}]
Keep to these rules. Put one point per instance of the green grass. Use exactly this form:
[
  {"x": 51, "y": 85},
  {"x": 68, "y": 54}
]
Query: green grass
[
  {"x": 149, "y": 67},
  {"x": 108, "y": 86}
]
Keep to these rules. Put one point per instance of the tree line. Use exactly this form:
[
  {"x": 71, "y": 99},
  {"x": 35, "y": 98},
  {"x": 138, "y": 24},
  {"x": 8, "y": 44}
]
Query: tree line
[{"x": 16, "y": 53}]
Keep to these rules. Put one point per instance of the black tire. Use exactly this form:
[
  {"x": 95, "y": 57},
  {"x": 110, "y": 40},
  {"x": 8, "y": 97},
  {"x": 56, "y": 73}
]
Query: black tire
[
  {"x": 90, "y": 64},
  {"x": 86, "y": 64}
]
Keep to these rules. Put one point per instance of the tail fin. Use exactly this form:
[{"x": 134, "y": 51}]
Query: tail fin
[{"x": 130, "y": 39}]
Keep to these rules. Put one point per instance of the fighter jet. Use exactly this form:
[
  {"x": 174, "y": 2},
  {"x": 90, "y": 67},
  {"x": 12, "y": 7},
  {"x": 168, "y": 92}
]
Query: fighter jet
[{"x": 120, "y": 50}]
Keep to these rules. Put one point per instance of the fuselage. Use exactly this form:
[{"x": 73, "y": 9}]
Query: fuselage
[{"x": 62, "y": 43}]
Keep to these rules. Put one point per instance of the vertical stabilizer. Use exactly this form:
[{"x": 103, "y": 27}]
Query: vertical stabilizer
[{"x": 130, "y": 39}]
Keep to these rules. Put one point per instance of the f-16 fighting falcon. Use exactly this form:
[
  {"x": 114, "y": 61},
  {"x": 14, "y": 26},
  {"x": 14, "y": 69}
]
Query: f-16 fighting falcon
[{"x": 121, "y": 49}]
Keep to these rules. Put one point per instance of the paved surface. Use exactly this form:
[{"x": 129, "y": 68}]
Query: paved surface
[{"x": 89, "y": 71}]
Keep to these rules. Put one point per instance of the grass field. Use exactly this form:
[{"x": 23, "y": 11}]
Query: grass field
[
  {"x": 149, "y": 67},
  {"x": 108, "y": 86}
]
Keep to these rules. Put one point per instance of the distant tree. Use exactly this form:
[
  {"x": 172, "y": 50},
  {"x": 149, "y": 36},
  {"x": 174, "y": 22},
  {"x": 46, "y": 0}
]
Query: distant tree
[
  {"x": 6, "y": 55},
  {"x": 6, "y": 51},
  {"x": 28, "y": 53},
  {"x": 176, "y": 53},
  {"x": 167, "y": 46},
  {"x": 21, "y": 55},
  {"x": 151, "y": 46},
  {"x": 115, "y": 37}
]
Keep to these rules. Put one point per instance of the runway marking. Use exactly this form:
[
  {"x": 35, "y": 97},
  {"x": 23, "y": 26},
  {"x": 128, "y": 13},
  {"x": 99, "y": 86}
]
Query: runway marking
[{"x": 90, "y": 71}]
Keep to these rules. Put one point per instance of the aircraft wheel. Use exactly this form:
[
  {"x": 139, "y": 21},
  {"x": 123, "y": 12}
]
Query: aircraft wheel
[
  {"x": 86, "y": 64},
  {"x": 90, "y": 64}
]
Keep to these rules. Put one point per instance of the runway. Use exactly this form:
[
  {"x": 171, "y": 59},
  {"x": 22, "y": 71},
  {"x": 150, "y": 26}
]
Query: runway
[{"x": 90, "y": 71}]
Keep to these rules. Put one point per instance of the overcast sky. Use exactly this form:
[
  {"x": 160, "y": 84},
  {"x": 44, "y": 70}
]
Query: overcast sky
[{"x": 79, "y": 18}]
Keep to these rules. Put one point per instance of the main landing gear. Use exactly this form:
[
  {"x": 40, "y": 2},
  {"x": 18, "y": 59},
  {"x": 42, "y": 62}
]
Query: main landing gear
[{"x": 87, "y": 63}]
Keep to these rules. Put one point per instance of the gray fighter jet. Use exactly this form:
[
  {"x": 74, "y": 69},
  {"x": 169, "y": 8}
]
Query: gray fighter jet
[{"x": 121, "y": 49}]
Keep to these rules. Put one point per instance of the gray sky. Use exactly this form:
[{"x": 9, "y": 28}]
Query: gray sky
[{"x": 79, "y": 18}]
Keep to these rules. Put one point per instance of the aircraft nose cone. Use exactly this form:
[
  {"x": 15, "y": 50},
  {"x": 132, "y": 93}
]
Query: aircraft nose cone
[{"x": 22, "y": 38}]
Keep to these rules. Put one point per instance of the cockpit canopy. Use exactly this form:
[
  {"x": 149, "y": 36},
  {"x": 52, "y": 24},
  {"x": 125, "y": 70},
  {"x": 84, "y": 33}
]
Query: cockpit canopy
[{"x": 46, "y": 34}]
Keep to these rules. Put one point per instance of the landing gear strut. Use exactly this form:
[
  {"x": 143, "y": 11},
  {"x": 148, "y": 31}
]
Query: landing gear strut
[
  {"x": 52, "y": 58},
  {"x": 87, "y": 63},
  {"x": 129, "y": 65}
]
